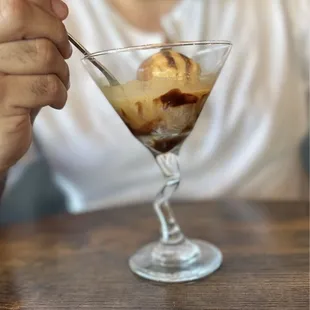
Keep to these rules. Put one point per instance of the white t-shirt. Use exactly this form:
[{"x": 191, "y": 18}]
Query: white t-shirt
[{"x": 246, "y": 141}]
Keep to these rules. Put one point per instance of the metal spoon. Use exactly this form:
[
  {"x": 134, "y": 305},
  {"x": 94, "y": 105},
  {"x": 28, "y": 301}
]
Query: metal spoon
[{"x": 109, "y": 76}]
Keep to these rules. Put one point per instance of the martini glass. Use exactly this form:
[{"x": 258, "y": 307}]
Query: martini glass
[{"x": 162, "y": 90}]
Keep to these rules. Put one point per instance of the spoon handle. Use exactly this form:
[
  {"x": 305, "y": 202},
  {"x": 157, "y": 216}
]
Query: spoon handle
[
  {"x": 109, "y": 76},
  {"x": 78, "y": 45}
]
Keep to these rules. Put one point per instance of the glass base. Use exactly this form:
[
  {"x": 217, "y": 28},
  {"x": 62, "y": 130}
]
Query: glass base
[{"x": 187, "y": 261}]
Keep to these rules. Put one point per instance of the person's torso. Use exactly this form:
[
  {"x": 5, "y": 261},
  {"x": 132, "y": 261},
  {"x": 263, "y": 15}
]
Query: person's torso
[{"x": 248, "y": 131}]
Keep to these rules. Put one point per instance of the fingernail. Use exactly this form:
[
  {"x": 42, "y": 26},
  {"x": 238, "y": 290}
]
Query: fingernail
[{"x": 60, "y": 9}]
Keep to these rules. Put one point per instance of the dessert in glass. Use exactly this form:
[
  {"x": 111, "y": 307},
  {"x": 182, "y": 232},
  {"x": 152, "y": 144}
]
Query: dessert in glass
[{"x": 161, "y": 92}]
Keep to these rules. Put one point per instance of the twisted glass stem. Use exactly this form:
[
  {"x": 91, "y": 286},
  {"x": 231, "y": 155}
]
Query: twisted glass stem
[{"x": 170, "y": 230}]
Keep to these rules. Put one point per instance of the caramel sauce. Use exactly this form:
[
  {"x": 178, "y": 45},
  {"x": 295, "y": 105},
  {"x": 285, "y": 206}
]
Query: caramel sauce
[
  {"x": 140, "y": 108},
  {"x": 188, "y": 64},
  {"x": 146, "y": 129},
  {"x": 166, "y": 145},
  {"x": 163, "y": 117},
  {"x": 167, "y": 54},
  {"x": 175, "y": 98},
  {"x": 124, "y": 115}
]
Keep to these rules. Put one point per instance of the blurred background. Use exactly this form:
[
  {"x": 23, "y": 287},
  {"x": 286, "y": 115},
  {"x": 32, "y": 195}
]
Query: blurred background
[{"x": 36, "y": 194}]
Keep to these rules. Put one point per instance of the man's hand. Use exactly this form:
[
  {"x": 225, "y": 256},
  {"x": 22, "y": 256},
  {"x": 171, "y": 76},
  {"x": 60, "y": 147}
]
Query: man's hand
[{"x": 33, "y": 72}]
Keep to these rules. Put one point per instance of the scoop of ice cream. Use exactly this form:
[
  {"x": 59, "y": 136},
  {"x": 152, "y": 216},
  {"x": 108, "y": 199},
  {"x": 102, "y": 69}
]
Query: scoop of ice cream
[
  {"x": 167, "y": 97},
  {"x": 169, "y": 64}
]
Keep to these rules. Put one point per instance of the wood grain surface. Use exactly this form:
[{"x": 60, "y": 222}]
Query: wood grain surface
[{"x": 80, "y": 262}]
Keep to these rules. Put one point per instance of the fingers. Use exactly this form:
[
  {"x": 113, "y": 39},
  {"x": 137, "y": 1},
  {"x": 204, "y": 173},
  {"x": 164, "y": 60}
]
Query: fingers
[
  {"x": 20, "y": 19},
  {"x": 34, "y": 92},
  {"x": 60, "y": 9},
  {"x": 57, "y": 7},
  {"x": 33, "y": 57},
  {"x": 33, "y": 45}
]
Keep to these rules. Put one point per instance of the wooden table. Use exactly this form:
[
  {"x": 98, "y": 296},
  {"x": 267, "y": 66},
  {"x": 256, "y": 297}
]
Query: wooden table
[{"x": 80, "y": 262}]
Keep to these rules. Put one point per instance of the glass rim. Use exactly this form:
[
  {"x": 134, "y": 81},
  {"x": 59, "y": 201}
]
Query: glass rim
[{"x": 157, "y": 45}]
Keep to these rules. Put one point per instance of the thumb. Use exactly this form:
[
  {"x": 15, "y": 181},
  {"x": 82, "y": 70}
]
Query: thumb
[{"x": 60, "y": 9}]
